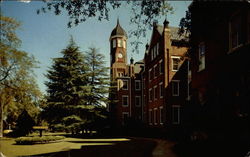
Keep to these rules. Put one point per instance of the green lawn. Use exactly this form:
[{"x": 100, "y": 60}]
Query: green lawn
[{"x": 110, "y": 147}]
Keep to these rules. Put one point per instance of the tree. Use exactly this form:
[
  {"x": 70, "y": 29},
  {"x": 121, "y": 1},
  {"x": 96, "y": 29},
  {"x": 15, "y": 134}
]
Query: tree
[
  {"x": 98, "y": 84},
  {"x": 67, "y": 88},
  {"x": 24, "y": 124},
  {"x": 18, "y": 89},
  {"x": 99, "y": 80},
  {"x": 144, "y": 12}
]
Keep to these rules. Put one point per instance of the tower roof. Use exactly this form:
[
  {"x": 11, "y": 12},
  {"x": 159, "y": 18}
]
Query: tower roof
[{"x": 118, "y": 30}]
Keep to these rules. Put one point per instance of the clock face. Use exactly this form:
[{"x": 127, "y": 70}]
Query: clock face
[{"x": 120, "y": 55}]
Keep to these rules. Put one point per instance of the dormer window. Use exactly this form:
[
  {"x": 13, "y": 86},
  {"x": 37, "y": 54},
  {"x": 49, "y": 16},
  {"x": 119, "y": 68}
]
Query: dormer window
[{"x": 114, "y": 43}]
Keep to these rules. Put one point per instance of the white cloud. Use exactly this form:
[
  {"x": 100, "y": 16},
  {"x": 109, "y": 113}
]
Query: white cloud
[{"x": 25, "y": 1}]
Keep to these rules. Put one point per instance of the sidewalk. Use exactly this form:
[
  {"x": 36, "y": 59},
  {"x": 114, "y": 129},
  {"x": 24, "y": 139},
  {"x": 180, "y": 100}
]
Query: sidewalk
[{"x": 164, "y": 148}]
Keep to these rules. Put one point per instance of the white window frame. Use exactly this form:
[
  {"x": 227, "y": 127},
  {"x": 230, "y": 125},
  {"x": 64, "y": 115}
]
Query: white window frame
[
  {"x": 160, "y": 90},
  {"x": 172, "y": 58},
  {"x": 178, "y": 87},
  {"x": 123, "y": 84},
  {"x": 161, "y": 115},
  {"x": 139, "y": 101},
  {"x": 138, "y": 81},
  {"x": 149, "y": 117},
  {"x": 178, "y": 112},
  {"x": 155, "y": 70},
  {"x": 155, "y": 116},
  {"x": 154, "y": 93},
  {"x": 125, "y": 96},
  {"x": 114, "y": 43}
]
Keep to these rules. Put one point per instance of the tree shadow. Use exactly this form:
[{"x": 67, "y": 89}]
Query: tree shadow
[{"x": 105, "y": 148}]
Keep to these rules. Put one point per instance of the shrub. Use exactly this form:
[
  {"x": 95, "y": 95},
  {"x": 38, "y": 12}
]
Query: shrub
[{"x": 36, "y": 139}]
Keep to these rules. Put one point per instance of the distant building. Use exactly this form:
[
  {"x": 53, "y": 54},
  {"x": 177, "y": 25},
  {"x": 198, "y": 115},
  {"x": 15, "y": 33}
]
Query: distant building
[{"x": 221, "y": 67}]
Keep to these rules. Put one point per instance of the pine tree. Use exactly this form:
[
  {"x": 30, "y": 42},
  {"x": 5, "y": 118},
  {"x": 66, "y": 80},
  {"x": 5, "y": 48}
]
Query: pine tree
[
  {"x": 98, "y": 86},
  {"x": 67, "y": 86}
]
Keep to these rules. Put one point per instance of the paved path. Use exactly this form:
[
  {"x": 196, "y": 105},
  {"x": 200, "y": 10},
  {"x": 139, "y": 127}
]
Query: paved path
[{"x": 163, "y": 149}]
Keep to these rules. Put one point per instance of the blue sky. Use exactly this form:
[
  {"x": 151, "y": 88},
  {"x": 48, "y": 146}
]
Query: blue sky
[{"x": 45, "y": 35}]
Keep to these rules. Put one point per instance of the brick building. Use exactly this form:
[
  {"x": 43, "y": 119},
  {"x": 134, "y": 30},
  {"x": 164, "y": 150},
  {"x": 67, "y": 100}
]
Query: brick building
[
  {"x": 165, "y": 77},
  {"x": 127, "y": 80},
  {"x": 220, "y": 67},
  {"x": 154, "y": 90}
]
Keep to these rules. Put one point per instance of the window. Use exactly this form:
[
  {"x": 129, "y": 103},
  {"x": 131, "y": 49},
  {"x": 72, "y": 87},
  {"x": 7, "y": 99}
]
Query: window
[
  {"x": 125, "y": 116},
  {"x": 119, "y": 43},
  {"x": 124, "y": 43},
  {"x": 150, "y": 94},
  {"x": 125, "y": 85},
  {"x": 161, "y": 89},
  {"x": 175, "y": 87},
  {"x": 155, "y": 116},
  {"x": 137, "y": 101},
  {"x": 114, "y": 43},
  {"x": 161, "y": 68},
  {"x": 175, "y": 63},
  {"x": 236, "y": 34},
  {"x": 137, "y": 85},
  {"x": 202, "y": 56},
  {"x": 176, "y": 114},
  {"x": 152, "y": 74},
  {"x": 155, "y": 71},
  {"x": 155, "y": 93},
  {"x": 150, "y": 117},
  {"x": 161, "y": 115},
  {"x": 149, "y": 74},
  {"x": 125, "y": 101}
]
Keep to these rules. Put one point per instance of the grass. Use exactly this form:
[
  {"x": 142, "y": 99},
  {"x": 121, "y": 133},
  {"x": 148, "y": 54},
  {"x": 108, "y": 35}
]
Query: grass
[{"x": 111, "y": 147}]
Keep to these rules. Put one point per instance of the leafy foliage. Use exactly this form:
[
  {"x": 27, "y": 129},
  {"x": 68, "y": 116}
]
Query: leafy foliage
[
  {"x": 18, "y": 89},
  {"x": 144, "y": 12}
]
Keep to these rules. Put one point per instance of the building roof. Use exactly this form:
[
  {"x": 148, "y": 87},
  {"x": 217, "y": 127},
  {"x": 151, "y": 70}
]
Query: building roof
[
  {"x": 118, "y": 30},
  {"x": 174, "y": 33}
]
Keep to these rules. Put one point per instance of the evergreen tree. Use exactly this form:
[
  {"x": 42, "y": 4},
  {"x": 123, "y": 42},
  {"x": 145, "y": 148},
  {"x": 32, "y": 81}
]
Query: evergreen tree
[
  {"x": 67, "y": 88},
  {"x": 99, "y": 80},
  {"x": 98, "y": 86}
]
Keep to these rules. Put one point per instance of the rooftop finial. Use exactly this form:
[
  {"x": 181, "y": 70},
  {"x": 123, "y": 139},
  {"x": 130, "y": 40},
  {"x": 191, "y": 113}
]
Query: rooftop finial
[{"x": 118, "y": 21}]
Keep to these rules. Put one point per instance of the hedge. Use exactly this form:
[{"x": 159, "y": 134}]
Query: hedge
[{"x": 35, "y": 140}]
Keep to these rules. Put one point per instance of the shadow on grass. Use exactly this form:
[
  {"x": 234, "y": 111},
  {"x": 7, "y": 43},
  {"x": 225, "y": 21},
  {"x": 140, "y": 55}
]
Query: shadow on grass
[
  {"x": 212, "y": 148},
  {"x": 108, "y": 148}
]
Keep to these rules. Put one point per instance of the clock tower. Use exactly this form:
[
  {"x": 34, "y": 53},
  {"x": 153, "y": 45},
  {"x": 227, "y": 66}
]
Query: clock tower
[{"x": 118, "y": 52}]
